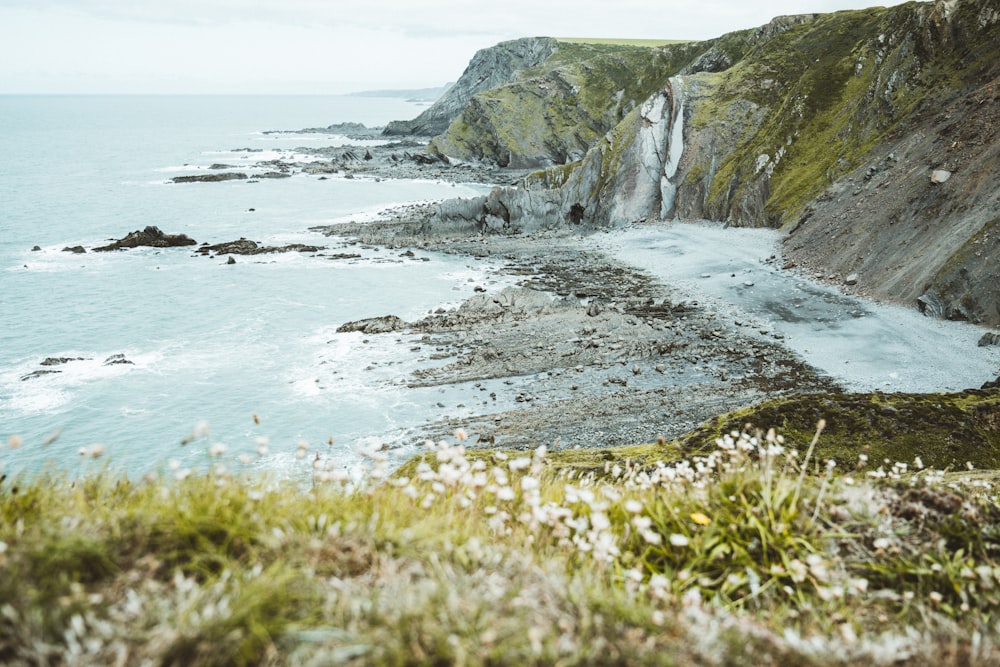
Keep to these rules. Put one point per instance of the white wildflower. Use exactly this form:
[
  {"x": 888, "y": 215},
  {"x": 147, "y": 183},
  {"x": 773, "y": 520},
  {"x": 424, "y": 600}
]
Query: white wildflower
[
  {"x": 519, "y": 463},
  {"x": 678, "y": 540}
]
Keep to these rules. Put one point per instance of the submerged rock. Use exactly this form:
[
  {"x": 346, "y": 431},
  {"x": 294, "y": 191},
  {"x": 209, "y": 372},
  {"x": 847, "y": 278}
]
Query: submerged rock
[
  {"x": 37, "y": 374},
  {"x": 117, "y": 360},
  {"x": 58, "y": 361}
]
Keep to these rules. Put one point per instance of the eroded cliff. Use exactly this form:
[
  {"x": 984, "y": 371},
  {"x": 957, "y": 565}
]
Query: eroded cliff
[{"x": 870, "y": 135}]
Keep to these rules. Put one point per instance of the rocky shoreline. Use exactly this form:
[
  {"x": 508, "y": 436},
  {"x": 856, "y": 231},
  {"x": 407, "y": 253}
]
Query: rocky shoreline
[{"x": 594, "y": 353}]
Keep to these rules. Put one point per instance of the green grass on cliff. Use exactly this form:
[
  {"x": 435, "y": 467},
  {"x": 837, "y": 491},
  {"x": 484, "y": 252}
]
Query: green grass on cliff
[
  {"x": 757, "y": 549},
  {"x": 621, "y": 42}
]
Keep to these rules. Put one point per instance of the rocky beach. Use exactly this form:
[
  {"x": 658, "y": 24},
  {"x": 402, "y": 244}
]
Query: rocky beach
[{"x": 597, "y": 352}]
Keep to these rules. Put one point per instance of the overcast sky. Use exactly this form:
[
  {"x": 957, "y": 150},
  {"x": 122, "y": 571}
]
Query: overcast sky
[{"x": 320, "y": 46}]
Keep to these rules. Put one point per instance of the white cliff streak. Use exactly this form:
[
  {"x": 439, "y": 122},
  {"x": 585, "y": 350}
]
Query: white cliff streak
[{"x": 675, "y": 148}]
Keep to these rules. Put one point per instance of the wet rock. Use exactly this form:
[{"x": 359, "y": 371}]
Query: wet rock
[
  {"x": 211, "y": 178},
  {"x": 37, "y": 374},
  {"x": 117, "y": 360},
  {"x": 373, "y": 325},
  {"x": 151, "y": 237},
  {"x": 36, "y": 248},
  {"x": 58, "y": 361},
  {"x": 231, "y": 260},
  {"x": 77, "y": 249},
  {"x": 247, "y": 247}
]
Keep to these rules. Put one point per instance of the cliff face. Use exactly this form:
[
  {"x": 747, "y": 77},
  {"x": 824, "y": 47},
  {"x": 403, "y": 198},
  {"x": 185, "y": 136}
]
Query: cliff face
[
  {"x": 830, "y": 126},
  {"x": 488, "y": 69},
  {"x": 553, "y": 113}
]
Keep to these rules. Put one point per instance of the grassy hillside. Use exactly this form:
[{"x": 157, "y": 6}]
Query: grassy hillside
[{"x": 556, "y": 111}]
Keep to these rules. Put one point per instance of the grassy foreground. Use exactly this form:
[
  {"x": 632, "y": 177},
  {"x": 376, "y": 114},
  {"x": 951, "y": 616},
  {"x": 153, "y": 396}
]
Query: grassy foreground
[{"x": 755, "y": 553}]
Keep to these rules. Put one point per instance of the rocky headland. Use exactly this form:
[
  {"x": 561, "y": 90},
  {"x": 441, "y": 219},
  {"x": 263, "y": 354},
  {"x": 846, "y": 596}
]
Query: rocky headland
[{"x": 869, "y": 137}]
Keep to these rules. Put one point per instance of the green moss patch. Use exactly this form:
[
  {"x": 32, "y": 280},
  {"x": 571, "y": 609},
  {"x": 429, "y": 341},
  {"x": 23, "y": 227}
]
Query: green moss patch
[{"x": 946, "y": 431}]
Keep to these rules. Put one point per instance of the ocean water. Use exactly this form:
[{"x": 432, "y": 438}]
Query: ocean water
[{"x": 249, "y": 350}]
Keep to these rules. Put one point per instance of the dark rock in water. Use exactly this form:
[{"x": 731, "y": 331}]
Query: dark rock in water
[
  {"x": 77, "y": 249},
  {"x": 150, "y": 237},
  {"x": 248, "y": 247},
  {"x": 231, "y": 260},
  {"x": 211, "y": 178},
  {"x": 116, "y": 359},
  {"x": 274, "y": 174},
  {"x": 373, "y": 325},
  {"x": 58, "y": 361},
  {"x": 36, "y": 374},
  {"x": 216, "y": 166},
  {"x": 240, "y": 247},
  {"x": 37, "y": 248},
  {"x": 989, "y": 338},
  {"x": 992, "y": 384}
]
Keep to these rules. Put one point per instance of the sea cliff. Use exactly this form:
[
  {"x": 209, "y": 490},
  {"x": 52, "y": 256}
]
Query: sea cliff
[{"x": 869, "y": 136}]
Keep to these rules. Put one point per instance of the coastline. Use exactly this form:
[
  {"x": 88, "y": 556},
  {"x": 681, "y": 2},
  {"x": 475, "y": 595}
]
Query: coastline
[{"x": 594, "y": 352}]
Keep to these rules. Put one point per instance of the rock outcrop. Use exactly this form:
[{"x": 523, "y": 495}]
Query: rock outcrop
[
  {"x": 247, "y": 247},
  {"x": 373, "y": 325},
  {"x": 150, "y": 237}
]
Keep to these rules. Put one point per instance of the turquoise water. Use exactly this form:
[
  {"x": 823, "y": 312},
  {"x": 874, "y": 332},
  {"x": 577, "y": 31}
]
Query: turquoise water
[{"x": 208, "y": 342}]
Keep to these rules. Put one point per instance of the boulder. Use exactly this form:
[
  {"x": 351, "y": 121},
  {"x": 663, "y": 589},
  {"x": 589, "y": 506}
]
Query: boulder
[
  {"x": 373, "y": 325},
  {"x": 150, "y": 237},
  {"x": 989, "y": 338},
  {"x": 77, "y": 249}
]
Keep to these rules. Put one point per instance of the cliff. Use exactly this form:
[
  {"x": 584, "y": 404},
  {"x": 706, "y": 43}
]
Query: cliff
[
  {"x": 488, "y": 69},
  {"x": 870, "y": 136}
]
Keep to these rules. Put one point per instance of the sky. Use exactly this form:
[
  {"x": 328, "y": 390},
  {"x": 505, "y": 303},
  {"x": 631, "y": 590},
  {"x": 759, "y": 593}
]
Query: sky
[{"x": 320, "y": 46}]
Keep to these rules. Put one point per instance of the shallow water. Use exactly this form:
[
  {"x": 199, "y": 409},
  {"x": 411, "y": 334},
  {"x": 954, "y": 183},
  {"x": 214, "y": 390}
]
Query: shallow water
[
  {"x": 862, "y": 345},
  {"x": 206, "y": 341}
]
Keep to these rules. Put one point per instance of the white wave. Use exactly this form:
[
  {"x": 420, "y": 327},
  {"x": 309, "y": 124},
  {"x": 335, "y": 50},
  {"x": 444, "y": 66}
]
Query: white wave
[{"x": 56, "y": 385}]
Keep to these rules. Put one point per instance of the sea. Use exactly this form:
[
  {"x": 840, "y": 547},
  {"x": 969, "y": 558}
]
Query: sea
[{"x": 147, "y": 360}]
